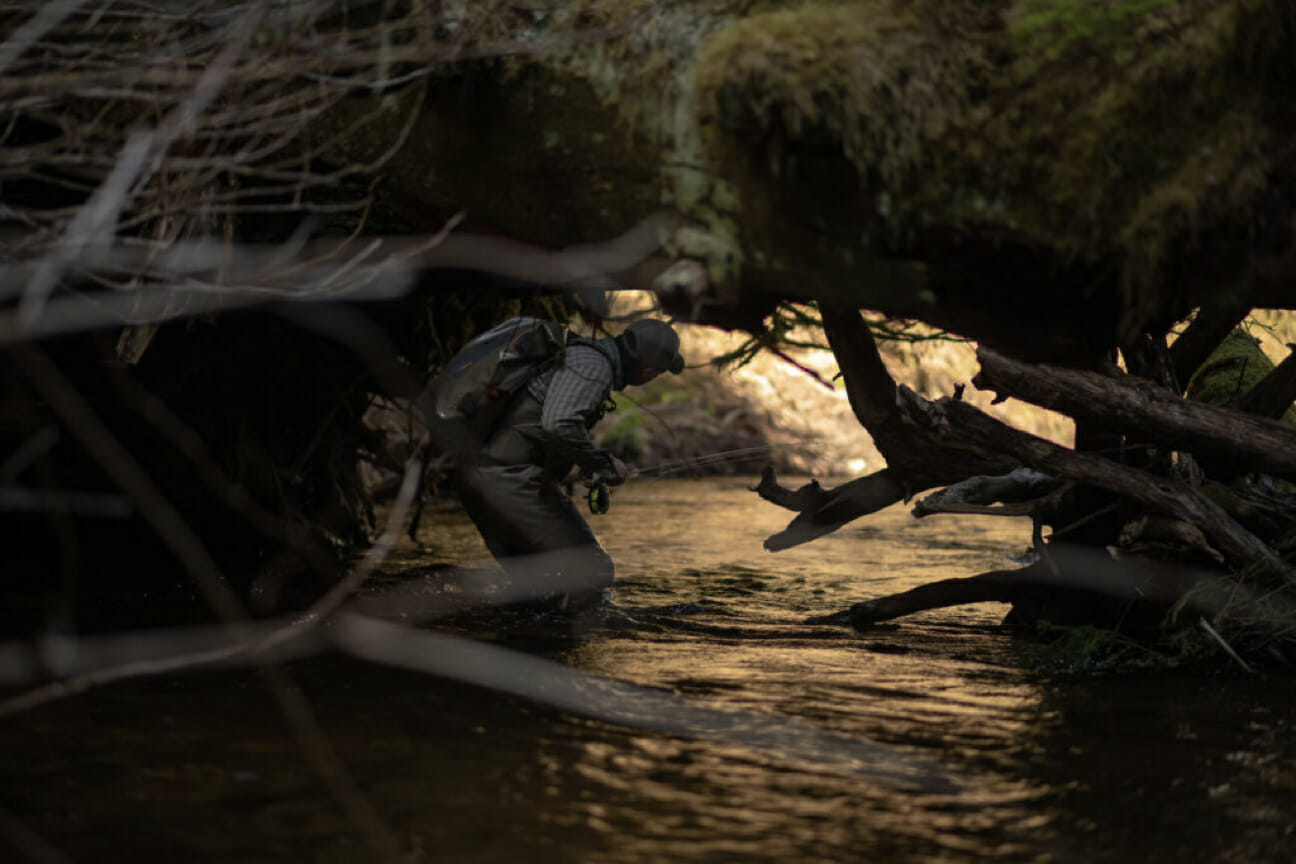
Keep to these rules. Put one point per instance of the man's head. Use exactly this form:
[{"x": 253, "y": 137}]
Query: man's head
[{"x": 649, "y": 348}]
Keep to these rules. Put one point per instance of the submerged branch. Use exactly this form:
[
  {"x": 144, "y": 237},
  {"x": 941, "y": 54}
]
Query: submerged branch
[
  {"x": 1065, "y": 567},
  {"x": 822, "y": 511}
]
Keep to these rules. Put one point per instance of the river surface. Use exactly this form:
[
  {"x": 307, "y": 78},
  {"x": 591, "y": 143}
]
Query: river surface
[{"x": 732, "y": 731}]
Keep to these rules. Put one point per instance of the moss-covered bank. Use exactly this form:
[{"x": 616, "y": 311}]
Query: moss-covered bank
[{"x": 992, "y": 166}]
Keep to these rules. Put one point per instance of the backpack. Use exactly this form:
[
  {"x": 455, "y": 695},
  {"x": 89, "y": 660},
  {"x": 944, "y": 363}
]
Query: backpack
[{"x": 464, "y": 401}]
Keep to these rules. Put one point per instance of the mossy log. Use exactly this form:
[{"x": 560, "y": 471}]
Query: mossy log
[{"x": 1045, "y": 177}]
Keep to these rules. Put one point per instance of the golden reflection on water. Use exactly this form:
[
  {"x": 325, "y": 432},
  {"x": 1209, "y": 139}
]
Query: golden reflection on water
[
  {"x": 200, "y": 767},
  {"x": 716, "y": 617}
]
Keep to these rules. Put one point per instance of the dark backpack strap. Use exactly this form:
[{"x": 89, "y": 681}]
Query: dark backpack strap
[{"x": 608, "y": 403}]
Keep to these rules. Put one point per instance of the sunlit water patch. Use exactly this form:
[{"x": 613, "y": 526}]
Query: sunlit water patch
[{"x": 709, "y": 724}]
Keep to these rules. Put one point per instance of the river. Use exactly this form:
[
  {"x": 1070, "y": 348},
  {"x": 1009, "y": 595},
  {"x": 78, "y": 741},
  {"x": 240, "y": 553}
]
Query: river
[{"x": 750, "y": 736}]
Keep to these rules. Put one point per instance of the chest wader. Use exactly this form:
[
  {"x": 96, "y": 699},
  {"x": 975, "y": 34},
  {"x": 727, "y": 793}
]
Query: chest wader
[{"x": 533, "y": 529}]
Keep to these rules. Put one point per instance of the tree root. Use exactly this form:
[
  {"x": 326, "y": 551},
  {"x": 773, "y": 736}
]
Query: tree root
[
  {"x": 1163, "y": 505},
  {"x": 1072, "y": 571}
]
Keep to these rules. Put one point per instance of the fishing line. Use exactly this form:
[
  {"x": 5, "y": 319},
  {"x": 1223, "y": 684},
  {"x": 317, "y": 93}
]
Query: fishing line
[
  {"x": 599, "y": 494},
  {"x": 739, "y": 454}
]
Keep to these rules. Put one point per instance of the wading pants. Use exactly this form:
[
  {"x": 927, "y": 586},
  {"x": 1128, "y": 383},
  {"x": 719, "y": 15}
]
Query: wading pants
[{"x": 529, "y": 524}]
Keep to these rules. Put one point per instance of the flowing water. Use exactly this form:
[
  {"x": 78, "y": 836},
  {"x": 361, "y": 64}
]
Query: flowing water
[{"x": 750, "y": 736}]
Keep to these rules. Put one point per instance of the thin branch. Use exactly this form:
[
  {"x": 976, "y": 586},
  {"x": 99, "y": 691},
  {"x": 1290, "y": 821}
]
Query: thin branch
[
  {"x": 49, "y": 17},
  {"x": 1228, "y": 649}
]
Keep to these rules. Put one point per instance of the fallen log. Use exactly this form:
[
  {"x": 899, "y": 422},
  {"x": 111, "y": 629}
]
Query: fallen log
[
  {"x": 1071, "y": 570},
  {"x": 917, "y": 459},
  {"x": 1227, "y": 440},
  {"x": 970, "y": 426}
]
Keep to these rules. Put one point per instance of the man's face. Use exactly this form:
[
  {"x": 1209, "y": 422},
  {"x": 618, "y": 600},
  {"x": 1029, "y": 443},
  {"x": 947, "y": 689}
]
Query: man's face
[{"x": 642, "y": 374}]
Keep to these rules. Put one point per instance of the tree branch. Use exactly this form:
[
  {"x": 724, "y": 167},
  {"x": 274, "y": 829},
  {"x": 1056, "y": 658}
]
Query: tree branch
[
  {"x": 969, "y": 425},
  {"x": 1067, "y": 568},
  {"x": 915, "y": 459},
  {"x": 869, "y": 387},
  {"x": 822, "y": 511},
  {"x": 1021, "y": 492},
  {"x": 1225, "y": 438}
]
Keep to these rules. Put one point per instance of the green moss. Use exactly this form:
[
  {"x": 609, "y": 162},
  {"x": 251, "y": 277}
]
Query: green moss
[
  {"x": 1232, "y": 369},
  {"x": 1128, "y": 133},
  {"x": 1141, "y": 131},
  {"x": 865, "y": 76},
  {"x": 1053, "y": 26},
  {"x": 822, "y": 137}
]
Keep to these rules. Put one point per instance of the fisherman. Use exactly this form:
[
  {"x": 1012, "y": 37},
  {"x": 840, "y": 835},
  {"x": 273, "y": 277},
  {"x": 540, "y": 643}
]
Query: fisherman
[{"x": 511, "y": 487}]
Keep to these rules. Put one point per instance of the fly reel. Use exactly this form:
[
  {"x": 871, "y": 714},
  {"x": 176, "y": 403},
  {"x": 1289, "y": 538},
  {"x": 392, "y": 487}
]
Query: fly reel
[{"x": 599, "y": 498}]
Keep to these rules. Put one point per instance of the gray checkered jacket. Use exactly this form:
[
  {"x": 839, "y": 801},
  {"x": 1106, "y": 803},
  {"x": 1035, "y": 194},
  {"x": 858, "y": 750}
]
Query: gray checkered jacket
[{"x": 573, "y": 395}]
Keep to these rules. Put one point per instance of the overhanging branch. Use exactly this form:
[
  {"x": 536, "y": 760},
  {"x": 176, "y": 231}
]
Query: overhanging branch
[
  {"x": 916, "y": 459},
  {"x": 1226, "y": 438}
]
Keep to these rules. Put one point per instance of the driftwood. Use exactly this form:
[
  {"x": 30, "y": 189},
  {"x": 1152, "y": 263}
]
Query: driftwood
[
  {"x": 1151, "y": 509},
  {"x": 929, "y": 444},
  {"x": 1242, "y": 548},
  {"x": 822, "y": 511},
  {"x": 1217, "y": 435},
  {"x": 877, "y": 401},
  {"x": 1066, "y": 568},
  {"x": 917, "y": 458}
]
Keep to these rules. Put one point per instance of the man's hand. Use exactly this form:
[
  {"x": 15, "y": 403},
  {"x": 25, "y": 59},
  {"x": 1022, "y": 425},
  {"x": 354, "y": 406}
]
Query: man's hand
[{"x": 622, "y": 473}]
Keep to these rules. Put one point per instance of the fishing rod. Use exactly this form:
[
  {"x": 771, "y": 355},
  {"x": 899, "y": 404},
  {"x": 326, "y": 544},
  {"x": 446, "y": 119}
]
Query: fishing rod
[{"x": 599, "y": 496}]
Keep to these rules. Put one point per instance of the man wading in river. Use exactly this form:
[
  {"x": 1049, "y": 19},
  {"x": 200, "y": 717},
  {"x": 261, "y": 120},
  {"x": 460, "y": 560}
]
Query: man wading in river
[{"x": 510, "y": 487}]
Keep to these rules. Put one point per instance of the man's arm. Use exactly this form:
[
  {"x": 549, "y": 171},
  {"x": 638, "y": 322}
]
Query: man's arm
[{"x": 575, "y": 393}]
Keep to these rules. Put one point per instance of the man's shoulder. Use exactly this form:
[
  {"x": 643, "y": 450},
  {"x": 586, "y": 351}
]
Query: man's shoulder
[{"x": 586, "y": 352}]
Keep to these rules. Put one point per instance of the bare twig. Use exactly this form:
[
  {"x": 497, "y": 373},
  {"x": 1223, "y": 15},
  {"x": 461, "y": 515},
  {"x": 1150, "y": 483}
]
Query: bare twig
[
  {"x": 1228, "y": 649},
  {"x": 181, "y": 539},
  {"x": 49, "y": 17}
]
